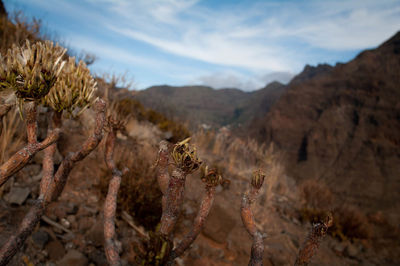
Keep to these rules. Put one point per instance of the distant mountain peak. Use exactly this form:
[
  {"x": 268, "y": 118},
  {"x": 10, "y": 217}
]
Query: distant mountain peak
[{"x": 311, "y": 71}]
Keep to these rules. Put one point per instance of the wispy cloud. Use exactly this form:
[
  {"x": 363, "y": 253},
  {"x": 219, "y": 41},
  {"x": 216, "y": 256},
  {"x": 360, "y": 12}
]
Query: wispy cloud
[
  {"x": 259, "y": 36},
  {"x": 240, "y": 43}
]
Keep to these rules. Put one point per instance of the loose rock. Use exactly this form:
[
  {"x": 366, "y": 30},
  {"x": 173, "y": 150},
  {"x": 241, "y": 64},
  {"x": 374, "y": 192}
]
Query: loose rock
[{"x": 17, "y": 195}]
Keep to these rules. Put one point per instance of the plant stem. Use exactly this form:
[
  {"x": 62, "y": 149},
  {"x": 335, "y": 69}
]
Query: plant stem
[
  {"x": 162, "y": 171},
  {"x": 310, "y": 246},
  {"x": 23, "y": 156},
  {"x": 174, "y": 200},
  {"x": 257, "y": 248},
  {"x": 204, "y": 210},
  {"x": 110, "y": 204}
]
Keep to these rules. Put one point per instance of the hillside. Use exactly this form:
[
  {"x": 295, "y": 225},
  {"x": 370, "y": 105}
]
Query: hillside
[
  {"x": 341, "y": 125},
  {"x": 203, "y": 105}
]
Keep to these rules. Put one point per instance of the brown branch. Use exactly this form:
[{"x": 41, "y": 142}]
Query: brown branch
[
  {"x": 61, "y": 176},
  {"x": 257, "y": 247},
  {"x": 204, "y": 210},
  {"x": 174, "y": 200},
  {"x": 162, "y": 170},
  {"x": 127, "y": 218},
  {"x": 55, "y": 224},
  {"x": 110, "y": 204},
  {"x": 48, "y": 158},
  {"x": 311, "y": 244},
  {"x": 22, "y": 157}
]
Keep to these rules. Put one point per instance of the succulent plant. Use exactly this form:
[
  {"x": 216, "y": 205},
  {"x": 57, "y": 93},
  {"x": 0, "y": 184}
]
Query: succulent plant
[
  {"x": 74, "y": 88},
  {"x": 185, "y": 156},
  {"x": 31, "y": 70},
  {"x": 257, "y": 179}
]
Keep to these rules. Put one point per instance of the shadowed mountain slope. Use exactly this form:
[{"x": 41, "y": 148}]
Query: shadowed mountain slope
[{"x": 342, "y": 125}]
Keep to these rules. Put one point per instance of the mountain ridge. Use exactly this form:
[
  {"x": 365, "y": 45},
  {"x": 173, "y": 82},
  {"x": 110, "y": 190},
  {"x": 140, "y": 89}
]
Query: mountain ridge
[
  {"x": 342, "y": 126},
  {"x": 199, "y": 105}
]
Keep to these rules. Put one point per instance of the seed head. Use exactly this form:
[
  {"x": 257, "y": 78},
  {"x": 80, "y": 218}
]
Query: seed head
[
  {"x": 30, "y": 71},
  {"x": 75, "y": 87},
  {"x": 211, "y": 177},
  {"x": 185, "y": 156},
  {"x": 257, "y": 179}
]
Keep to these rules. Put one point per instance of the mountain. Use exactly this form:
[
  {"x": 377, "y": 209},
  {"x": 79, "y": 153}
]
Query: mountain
[
  {"x": 341, "y": 125},
  {"x": 203, "y": 105}
]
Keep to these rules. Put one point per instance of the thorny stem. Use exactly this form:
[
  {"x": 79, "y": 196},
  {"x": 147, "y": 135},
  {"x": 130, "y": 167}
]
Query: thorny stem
[
  {"x": 13, "y": 244},
  {"x": 22, "y": 157},
  {"x": 311, "y": 244},
  {"x": 257, "y": 248},
  {"x": 110, "y": 204},
  {"x": 162, "y": 171},
  {"x": 174, "y": 200},
  {"x": 204, "y": 210}
]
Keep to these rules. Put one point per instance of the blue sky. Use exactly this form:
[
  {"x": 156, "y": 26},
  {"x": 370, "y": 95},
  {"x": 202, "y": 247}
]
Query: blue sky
[{"x": 220, "y": 43}]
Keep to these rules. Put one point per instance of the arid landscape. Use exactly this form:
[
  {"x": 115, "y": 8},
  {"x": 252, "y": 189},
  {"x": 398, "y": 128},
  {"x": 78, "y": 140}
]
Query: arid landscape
[{"x": 328, "y": 142}]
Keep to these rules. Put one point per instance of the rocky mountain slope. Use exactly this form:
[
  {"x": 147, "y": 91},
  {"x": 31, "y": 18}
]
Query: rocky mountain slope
[
  {"x": 203, "y": 105},
  {"x": 341, "y": 125}
]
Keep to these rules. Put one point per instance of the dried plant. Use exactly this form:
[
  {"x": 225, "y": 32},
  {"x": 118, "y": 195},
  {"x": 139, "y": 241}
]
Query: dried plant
[
  {"x": 11, "y": 138},
  {"x": 50, "y": 191},
  {"x": 31, "y": 70},
  {"x": 211, "y": 179},
  {"x": 186, "y": 162},
  {"x": 310, "y": 246},
  {"x": 185, "y": 157},
  {"x": 248, "y": 199},
  {"x": 74, "y": 89},
  {"x": 154, "y": 251}
]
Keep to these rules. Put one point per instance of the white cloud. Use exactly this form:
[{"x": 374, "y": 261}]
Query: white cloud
[
  {"x": 233, "y": 79},
  {"x": 250, "y": 37}
]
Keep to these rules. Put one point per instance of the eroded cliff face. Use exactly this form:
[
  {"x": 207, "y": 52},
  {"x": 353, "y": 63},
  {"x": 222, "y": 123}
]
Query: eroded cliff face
[{"x": 342, "y": 125}]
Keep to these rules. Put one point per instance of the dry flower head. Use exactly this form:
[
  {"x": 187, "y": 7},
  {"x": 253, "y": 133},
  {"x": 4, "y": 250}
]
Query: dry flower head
[
  {"x": 257, "y": 179},
  {"x": 74, "y": 88},
  {"x": 185, "y": 156},
  {"x": 31, "y": 70},
  {"x": 211, "y": 177}
]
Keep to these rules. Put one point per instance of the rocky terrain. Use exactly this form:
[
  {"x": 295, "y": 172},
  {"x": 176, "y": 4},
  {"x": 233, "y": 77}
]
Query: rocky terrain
[{"x": 341, "y": 125}]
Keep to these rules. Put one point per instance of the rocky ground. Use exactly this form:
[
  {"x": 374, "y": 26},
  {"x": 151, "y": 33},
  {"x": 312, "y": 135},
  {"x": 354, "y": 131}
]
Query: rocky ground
[{"x": 71, "y": 232}]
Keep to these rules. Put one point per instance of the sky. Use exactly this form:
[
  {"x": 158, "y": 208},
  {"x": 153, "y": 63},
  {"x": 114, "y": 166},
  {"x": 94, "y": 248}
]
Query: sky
[{"x": 219, "y": 43}]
